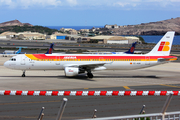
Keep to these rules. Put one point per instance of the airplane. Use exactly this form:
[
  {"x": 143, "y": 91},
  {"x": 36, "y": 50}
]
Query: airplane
[
  {"x": 50, "y": 50},
  {"x": 75, "y": 64},
  {"x": 14, "y": 52},
  {"x": 130, "y": 51},
  {"x": 11, "y": 52}
]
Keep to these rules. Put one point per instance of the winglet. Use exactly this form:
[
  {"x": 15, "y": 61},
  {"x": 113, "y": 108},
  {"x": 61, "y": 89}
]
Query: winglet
[
  {"x": 50, "y": 49},
  {"x": 163, "y": 47},
  {"x": 131, "y": 50}
]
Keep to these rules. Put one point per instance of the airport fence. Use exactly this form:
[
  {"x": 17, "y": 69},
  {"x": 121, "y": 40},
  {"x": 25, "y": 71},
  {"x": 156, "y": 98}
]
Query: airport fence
[
  {"x": 154, "y": 116},
  {"x": 163, "y": 115},
  {"x": 90, "y": 93}
]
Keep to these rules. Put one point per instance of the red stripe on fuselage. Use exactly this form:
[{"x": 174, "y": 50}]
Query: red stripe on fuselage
[{"x": 43, "y": 56}]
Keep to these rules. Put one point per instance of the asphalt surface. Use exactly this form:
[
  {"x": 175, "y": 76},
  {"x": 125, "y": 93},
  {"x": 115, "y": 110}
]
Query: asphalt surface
[
  {"x": 160, "y": 78},
  {"x": 78, "y": 107}
]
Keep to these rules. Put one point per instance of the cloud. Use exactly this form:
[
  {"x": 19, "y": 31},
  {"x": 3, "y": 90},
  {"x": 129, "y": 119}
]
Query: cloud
[
  {"x": 89, "y": 4},
  {"x": 72, "y": 2},
  {"x": 148, "y": 4},
  {"x": 42, "y": 3},
  {"x": 175, "y": 0},
  {"x": 29, "y": 3},
  {"x": 8, "y": 3},
  {"x": 123, "y": 4}
]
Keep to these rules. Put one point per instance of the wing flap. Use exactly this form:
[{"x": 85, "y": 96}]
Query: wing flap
[{"x": 88, "y": 65}]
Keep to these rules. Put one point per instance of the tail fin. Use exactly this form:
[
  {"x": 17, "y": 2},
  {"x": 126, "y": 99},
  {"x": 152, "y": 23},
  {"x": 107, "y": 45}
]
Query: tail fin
[
  {"x": 18, "y": 51},
  {"x": 50, "y": 49},
  {"x": 163, "y": 47},
  {"x": 131, "y": 50}
]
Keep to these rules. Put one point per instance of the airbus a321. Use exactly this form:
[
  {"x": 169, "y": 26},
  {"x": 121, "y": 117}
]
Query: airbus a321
[{"x": 74, "y": 64}]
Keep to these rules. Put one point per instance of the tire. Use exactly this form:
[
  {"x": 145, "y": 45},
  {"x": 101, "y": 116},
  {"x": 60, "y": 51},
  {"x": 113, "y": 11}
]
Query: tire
[{"x": 90, "y": 75}]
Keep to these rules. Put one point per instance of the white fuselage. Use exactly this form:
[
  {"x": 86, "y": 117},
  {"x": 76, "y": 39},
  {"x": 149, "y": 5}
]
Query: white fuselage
[{"x": 22, "y": 62}]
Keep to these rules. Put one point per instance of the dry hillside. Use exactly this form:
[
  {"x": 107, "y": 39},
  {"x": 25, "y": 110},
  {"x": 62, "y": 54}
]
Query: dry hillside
[
  {"x": 152, "y": 28},
  {"x": 14, "y": 23}
]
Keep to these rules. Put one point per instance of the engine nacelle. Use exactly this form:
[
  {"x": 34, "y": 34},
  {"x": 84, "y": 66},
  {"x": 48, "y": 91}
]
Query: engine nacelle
[{"x": 71, "y": 71}]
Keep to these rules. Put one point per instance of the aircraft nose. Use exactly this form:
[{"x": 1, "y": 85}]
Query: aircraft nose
[{"x": 6, "y": 64}]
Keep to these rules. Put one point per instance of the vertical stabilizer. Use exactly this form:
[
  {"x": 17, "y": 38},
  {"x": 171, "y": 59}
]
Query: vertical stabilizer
[
  {"x": 163, "y": 47},
  {"x": 50, "y": 49},
  {"x": 131, "y": 50},
  {"x": 18, "y": 51}
]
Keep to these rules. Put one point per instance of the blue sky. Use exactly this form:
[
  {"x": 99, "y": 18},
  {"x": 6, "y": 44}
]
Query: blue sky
[{"x": 88, "y": 12}]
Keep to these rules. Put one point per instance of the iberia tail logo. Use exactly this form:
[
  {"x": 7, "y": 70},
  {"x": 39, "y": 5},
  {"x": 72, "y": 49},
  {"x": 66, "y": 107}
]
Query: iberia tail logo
[
  {"x": 164, "y": 46},
  {"x": 132, "y": 49}
]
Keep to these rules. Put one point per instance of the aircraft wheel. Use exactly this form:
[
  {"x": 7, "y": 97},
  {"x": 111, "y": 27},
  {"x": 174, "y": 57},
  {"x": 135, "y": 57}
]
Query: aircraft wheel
[
  {"x": 23, "y": 75},
  {"x": 90, "y": 75}
]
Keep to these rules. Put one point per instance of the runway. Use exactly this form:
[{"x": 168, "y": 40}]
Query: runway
[{"x": 163, "y": 77}]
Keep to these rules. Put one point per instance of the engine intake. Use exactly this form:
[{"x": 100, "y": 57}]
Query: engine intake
[{"x": 71, "y": 71}]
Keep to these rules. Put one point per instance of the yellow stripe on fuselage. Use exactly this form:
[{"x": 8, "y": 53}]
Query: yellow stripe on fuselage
[{"x": 30, "y": 56}]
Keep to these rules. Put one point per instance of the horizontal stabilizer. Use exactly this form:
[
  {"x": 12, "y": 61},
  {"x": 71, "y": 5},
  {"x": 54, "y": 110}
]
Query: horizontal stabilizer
[{"x": 167, "y": 59}]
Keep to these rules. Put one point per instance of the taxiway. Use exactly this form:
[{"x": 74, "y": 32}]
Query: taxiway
[{"x": 162, "y": 77}]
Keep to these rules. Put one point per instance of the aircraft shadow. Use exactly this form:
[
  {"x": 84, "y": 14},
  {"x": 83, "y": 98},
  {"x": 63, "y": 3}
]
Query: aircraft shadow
[
  {"x": 84, "y": 77},
  {"x": 29, "y": 76},
  {"x": 152, "y": 76},
  {"x": 79, "y": 77}
]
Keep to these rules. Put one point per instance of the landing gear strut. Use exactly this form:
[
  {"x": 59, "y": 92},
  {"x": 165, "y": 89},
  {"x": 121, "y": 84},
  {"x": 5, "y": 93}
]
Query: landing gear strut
[
  {"x": 23, "y": 75},
  {"x": 90, "y": 75}
]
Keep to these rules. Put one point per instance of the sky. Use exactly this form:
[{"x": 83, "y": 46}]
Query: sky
[{"x": 88, "y": 12}]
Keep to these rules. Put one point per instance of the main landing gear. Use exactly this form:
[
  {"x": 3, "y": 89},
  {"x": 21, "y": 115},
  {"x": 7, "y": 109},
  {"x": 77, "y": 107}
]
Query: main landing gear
[
  {"x": 23, "y": 75},
  {"x": 90, "y": 75}
]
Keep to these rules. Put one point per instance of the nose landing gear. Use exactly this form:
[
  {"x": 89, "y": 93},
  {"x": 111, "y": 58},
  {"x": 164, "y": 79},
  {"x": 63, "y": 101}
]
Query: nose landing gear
[{"x": 23, "y": 75}]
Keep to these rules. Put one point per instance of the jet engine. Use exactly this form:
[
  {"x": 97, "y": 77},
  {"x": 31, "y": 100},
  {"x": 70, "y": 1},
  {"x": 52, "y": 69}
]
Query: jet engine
[{"x": 71, "y": 71}]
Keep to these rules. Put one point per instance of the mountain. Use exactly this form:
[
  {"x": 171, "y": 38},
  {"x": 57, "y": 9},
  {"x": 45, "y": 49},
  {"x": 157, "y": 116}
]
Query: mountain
[
  {"x": 152, "y": 28},
  {"x": 14, "y": 23}
]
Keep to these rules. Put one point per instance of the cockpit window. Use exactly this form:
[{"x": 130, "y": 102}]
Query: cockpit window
[{"x": 13, "y": 59}]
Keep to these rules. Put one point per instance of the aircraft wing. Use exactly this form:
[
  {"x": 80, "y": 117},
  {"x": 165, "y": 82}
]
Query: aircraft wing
[{"x": 88, "y": 65}]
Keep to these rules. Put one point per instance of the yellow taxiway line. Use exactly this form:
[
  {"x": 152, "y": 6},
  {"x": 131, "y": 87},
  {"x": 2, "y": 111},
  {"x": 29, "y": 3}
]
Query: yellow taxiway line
[{"x": 126, "y": 87}]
